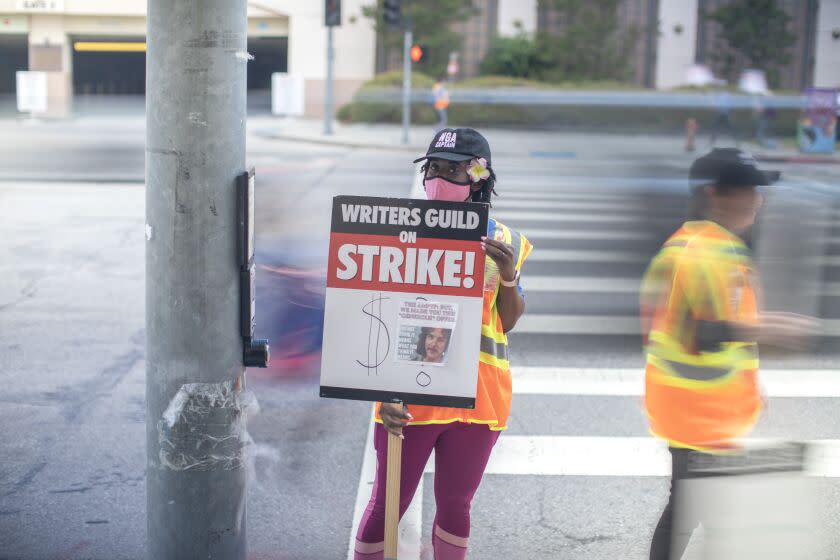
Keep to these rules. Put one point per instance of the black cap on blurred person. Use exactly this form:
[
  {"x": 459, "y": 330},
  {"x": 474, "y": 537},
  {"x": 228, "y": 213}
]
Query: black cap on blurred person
[
  {"x": 458, "y": 144},
  {"x": 729, "y": 168}
]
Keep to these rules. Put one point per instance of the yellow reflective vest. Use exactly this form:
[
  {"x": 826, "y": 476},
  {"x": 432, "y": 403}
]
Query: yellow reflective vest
[{"x": 694, "y": 398}]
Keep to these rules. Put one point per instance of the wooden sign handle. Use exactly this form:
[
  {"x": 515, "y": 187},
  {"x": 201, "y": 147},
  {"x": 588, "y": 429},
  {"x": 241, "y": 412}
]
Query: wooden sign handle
[{"x": 392, "y": 496}]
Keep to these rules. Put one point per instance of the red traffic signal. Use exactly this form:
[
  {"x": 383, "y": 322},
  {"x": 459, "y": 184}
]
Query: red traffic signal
[{"x": 416, "y": 53}]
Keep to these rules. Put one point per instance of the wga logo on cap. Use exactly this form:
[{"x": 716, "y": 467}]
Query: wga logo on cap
[{"x": 446, "y": 140}]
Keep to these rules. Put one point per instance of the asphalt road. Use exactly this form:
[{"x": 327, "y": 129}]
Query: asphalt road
[{"x": 72, "y": 343}]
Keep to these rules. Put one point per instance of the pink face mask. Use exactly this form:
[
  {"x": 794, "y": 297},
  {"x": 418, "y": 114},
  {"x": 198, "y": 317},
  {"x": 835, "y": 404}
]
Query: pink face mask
[{"x": 439, "y": 188}]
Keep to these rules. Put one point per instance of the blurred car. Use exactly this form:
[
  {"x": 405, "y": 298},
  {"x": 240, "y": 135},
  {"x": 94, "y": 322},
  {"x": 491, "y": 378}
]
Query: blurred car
[{"x": 290, "y": 290}]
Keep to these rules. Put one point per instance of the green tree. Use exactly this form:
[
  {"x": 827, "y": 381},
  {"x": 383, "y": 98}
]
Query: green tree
[
  {"x": 519, "y": 56},
  {"x": 432, "y": 20},
  {"x": 590, "y": 43},
  {"x": 757, "y": 30}
]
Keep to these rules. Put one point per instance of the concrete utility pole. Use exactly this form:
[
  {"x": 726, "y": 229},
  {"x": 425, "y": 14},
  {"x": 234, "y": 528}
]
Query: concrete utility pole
[{"x": 195, "y": 148}]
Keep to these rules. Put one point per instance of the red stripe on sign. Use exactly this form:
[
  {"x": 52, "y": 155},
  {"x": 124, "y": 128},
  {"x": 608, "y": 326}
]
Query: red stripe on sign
[{"x": 427, "y": 265}]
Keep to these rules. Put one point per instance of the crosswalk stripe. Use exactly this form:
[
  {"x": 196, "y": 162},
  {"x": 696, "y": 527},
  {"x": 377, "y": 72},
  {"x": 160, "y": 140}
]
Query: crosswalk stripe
[
  {"x": 600, "y": 284},
  {"x": 550, "y": 323},
  {"x": 830, "y": 289},
  {"x": 363, "y": 490},
  {"x": 587, "y": 284},
  {"x": 541, "y": 196},
  {"x": 512, "y": 216},
  {"x": 615, "y": 456},
  {"x": 535, "y": 234},
  {"x": 787, "y": 383},
  {"x": 411, "y": 523},
  {"x": 629, "y": 205},
  {"x": 588, "y": 184},
  {"x": 587, "y": 255}
]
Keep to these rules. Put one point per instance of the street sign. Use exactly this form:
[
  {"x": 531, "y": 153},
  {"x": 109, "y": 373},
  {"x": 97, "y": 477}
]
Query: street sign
[
  {"x": 405, "y": 283},
  {"x": 39, "y": 5},
  {"x": 31, "y": 91}
]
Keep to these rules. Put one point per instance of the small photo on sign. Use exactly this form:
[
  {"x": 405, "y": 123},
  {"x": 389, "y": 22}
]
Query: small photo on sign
[
  {"x": 423, "y": 344},
  {"x": 425, "y": 331}
]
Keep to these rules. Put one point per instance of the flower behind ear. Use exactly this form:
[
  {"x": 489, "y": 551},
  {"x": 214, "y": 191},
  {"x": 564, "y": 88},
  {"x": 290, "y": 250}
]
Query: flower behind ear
[{"x": 478, "y": 170}]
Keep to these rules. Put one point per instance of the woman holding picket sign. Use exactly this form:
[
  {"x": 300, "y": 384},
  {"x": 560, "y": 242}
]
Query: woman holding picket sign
[{"x": 457, "y": 168}]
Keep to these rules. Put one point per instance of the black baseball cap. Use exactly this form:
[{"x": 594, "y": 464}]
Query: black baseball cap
[
  {"x": 729, "y": 167},
  {"x": 458, "y": 144}
]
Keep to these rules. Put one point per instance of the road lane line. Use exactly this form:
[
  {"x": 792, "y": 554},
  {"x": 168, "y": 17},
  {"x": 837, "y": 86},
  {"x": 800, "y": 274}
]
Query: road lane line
[
  {"x": 623, "y": 325},
  {"x": 513, "y": 216},
  {"x": 778, "y": 383},
  {"x": 625, "y": 206},
  {"x": 411, "y": 523},
  {"x": 550, "y": 323},
  {"x": 365, "y": 485},
  {"x": 576, "y": 284},
  {"x": 616, "y": 456},
  {"x": 588, "y": 255},
  {"x": 535, "y": 234}
]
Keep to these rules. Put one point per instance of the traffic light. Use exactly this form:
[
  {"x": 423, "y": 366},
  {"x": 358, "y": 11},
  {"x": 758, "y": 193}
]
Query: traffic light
[
  {"x": 416, "y": 53},
  {"x": 332, "y": 13},
  {"x": 391, "y": 12}
]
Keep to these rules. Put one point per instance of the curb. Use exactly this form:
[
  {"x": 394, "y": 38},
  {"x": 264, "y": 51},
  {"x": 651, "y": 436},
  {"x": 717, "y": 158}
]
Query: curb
[
  {"x": 827, "y": 160},
  {"x": 335, "y": 142},
  {"x": 95, "y": 179}
]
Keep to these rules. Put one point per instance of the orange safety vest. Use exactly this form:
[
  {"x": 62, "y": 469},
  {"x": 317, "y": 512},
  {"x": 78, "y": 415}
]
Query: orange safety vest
[
  {"x": 441, "y": 96},
  {"x": 695, "y": 399},
  {"x": 493, "y": 394}
]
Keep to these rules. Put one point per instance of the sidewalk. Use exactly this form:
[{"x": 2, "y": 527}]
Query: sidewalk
[
  {"x": 505, "y": 142},
  {"x": 512, "y": 142}
]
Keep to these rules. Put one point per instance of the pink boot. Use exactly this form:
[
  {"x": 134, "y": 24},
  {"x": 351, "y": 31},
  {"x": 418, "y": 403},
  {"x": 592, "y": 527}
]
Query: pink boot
[
  {"x": 448, "y": 546},
  {"x": 369, "y": 551}
]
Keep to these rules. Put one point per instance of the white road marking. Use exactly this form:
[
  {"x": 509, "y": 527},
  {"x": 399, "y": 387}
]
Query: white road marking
[
  {"x": 554, "y": 323},
  {"x": 580, "y": 284},
  {"x": 364, "y": 489},
  {"x": 615, "y": 456},
  {"x": 587, "y": 255},
  {"x": 573, "y": 234},
  {"x": 411, "y": 523},
  {"x": 801, "y": 383},
  {"x": 550, "y": 323},
  {"x": 540, "y": 196},
  {"x": 595, "y": 217},
  {"x": 623, "y": 206}
]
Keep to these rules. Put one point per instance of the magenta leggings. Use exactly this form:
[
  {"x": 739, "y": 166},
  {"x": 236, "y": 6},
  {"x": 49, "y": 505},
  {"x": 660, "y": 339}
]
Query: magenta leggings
[{"x": 461, "y": 454}]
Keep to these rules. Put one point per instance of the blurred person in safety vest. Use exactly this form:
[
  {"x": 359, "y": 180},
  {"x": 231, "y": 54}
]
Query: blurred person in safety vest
[
  {"x": 702, "y": 324},
  {"x": 441, "y": 101},
  {"x": 457, "y": 168}
]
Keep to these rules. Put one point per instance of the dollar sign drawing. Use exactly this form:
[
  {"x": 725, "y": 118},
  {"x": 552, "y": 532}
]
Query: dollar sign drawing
[{"x": 373, "y": 310}]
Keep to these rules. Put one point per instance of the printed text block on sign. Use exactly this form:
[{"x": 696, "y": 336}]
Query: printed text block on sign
[{"x": 405, "y": 282}]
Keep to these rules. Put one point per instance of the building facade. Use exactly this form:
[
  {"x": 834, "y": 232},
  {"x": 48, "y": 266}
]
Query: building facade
[
  {"x": 687, "y": 37},
  {"x": 637, "y": 17},
  {"x": 672, "y": 35},
  {"x": 90, "y": 47}
]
